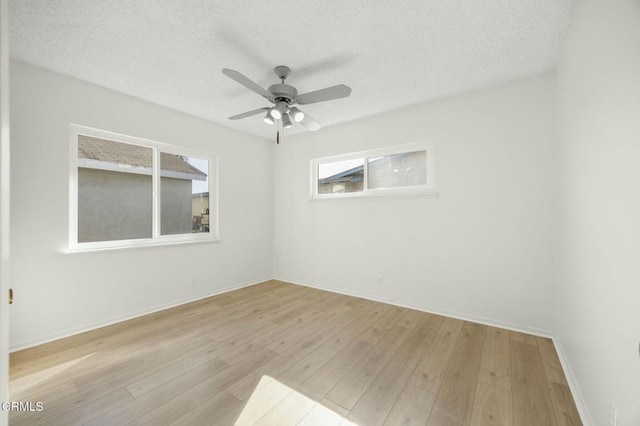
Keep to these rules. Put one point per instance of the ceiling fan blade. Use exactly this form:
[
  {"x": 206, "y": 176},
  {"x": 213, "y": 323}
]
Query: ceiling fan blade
[
  {"x": 235, "y": 75},
  {"x": 330, "y": 93},
  {"x": 248, "y": 113},
  {"x": 309, "y": 123}
]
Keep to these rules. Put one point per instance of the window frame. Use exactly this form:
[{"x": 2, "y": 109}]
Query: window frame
[
  {"x": 427, "y": 189},
  {"x": 157, "y": 238}
]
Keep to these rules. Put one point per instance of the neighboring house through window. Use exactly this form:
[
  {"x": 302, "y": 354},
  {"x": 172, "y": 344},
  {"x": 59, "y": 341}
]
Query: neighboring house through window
[{"x": 128, "y": 191}]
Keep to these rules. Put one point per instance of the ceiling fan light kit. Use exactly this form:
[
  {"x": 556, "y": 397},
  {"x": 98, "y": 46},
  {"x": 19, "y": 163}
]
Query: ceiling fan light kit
[
  {"x": 284, "y": 96},
  {"x": 297, "y": 115},
  {"x": 286, "y": 121},
  {"x": 278, "y": 110},
  {"x": 268, "y": 119}
]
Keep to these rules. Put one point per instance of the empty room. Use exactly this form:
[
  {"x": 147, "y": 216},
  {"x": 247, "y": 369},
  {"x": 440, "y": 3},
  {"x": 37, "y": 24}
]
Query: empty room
[{"x": 320, "y": 213}]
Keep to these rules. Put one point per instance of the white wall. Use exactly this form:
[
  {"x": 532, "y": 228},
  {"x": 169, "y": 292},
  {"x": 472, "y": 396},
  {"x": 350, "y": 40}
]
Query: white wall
[
  {"x": 598, "y": 288},
  {"x": 481, "y": 249},
  {"x": 4, "y": 207},
  {"x": 57, "y": 293}
]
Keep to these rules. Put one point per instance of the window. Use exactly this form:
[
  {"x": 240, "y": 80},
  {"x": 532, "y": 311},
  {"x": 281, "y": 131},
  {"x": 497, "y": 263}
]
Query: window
[
  {"x": 126, "y": 191},
  {"x": 399, "y": 170},
  {"x": 341, "y": 176}
]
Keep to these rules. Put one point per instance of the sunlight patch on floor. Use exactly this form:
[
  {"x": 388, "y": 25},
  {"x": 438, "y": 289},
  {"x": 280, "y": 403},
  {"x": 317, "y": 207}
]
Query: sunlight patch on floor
[
  {"x": 274, "y": 403},
  {"x": 23, "y": 384}
]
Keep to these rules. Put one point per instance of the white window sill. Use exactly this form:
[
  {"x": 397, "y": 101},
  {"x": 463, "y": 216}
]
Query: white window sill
[
  {"x": 135, "y": 244},
  {"x": 377, "y": 193}
]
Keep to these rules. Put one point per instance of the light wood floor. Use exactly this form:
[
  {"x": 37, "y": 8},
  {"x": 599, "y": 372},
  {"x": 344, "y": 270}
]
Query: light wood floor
[{"x": 279, "y": 354}]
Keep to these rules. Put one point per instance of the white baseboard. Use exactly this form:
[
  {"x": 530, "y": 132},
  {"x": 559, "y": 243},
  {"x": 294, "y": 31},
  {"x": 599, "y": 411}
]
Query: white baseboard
[
  {"x": 585, "y": 415},
  {"x": 88, "y": 327},
  {"x": 429, "y": 309}
]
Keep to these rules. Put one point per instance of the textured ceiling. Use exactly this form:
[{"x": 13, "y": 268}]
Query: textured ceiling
[{"x": 391, "y": 53}]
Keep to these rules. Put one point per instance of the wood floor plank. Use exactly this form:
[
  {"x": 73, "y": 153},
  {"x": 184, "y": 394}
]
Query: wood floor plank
[
  {"x": 163, "y": 394},
  {"x": 531, "y": 400},
  {"x": 129, "y": 360},
  {"x": 374, "y": 333},
  {"x": 277, "y": 353},
  {"x": 350, "y": 388},
  {"x": 467, "y": 353},
  {"x": 301, "y": 370},
  {"x": 230, "y": 418},
  {"x": 336, "y": 408},
  {"x": 181, "y": 407},
  {"x": 78, "y": 414},
  {"x": 323, "y": 380},
  {"x": 289, "y": 339},
  {"x": 430, "y": 370},
  {"x": 24, "y": 362},
  {"x": 123, "y": 368},
  {"x": 523, "y": 338},
  {"x": 290, "y": 411},
  {"x": 52, "y": 391},
  {"x": 429, "y": 373},
  {"x": 266, "y": 332},
  {"x": 262, "y": 401},
  {"x": 455, "y": 399},
  {"x": 551, "y": 362},
  {"x": 492, "y": 406},
  {"x": 164, "y": 375},
  {"x": 411, "y": 319},
  {"x": 564, "y": 407},
  {"x": 377, "y": 401},
  {"x": 323, "y": 414},
  {"x": 311, "y": 337},
  {"x": 412, "y": 407},
  {"x": 278, "y": 337},
  {"x": 495, "y": 366},
  {"x": 211, "y": 410},
  {"x": 454, "y": 402},
  {"x": 297, "y": 309}
]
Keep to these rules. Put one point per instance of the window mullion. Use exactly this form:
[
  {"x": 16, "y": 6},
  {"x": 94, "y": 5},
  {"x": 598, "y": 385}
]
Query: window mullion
[
  {"x": 73, "y": 189},
  {"x": 365, "y": 175},
  {"x": 155, "y": 221}
]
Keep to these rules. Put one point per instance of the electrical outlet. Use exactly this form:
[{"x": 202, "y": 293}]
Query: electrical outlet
[
  {"x": 380, "y": 280},
  {"x": 613, "y": 415},
  {"x": 194, "y": 280}
]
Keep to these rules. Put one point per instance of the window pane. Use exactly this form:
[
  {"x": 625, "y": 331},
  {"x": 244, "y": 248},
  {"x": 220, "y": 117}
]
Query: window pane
[
  {"x": 114, "y": 190},
  {"x": 341, "y": 176},
  {"x": 184, "y": 195},
  {"x": 398, "y": 170}
]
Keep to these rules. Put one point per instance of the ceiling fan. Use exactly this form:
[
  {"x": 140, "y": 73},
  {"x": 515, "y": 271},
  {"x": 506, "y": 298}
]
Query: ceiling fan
[{"x": 284, "y": 97}]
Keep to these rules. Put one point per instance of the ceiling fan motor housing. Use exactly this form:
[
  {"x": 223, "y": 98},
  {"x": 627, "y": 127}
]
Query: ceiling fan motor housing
[{"x": 282, "y": 92}]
